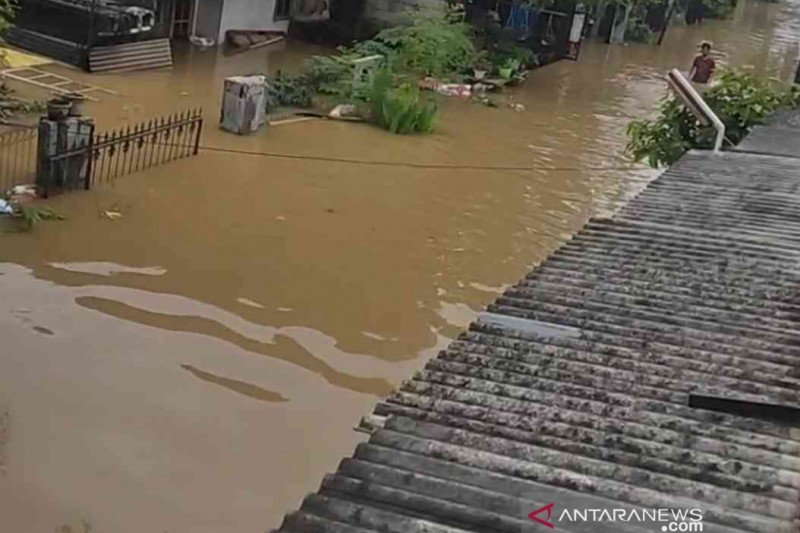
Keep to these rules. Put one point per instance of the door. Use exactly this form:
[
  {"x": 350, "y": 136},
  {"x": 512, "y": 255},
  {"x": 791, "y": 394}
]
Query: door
[{"x": 182, "y": 11}]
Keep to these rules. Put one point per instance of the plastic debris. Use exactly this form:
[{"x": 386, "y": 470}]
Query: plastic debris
[
  {"x": 24, "y": 189},
  {"x": 5, "y": 207},
  {"x": 343, "y": 110},
  {"x": 112, "y": 215},
  {"x": 460, "y": 90}
]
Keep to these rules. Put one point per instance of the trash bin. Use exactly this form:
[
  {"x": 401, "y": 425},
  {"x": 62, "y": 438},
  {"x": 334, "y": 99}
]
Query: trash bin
[{"x": 243, "y": 104}]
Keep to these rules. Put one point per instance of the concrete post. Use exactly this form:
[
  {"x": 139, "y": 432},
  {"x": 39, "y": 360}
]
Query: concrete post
[
  {"x": 57, "y": 137},
  {"x": 599, "y": 12},
  {"x": 797, "y": 74},
  {"x": 620, "y": 24}
]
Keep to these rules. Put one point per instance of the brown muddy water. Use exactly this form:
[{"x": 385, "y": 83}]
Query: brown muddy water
[{"x": 198, "y": 364}]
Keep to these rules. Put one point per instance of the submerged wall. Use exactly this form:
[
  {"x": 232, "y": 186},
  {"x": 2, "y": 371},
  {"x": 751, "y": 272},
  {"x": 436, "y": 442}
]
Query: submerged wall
[
  {"x": 249, "y": 15},
  {"x": 380, "y": 14}
]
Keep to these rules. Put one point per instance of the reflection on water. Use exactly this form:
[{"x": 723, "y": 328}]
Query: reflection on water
[
  {"x": 457, "y": 314},
  {"x": 285, "y": 348},
  {"x": 342, "y": 277},
  {"x": 248, "y": 302},
  {"x": 104, "y": 268},
  {"x": 241, "y": 387}
]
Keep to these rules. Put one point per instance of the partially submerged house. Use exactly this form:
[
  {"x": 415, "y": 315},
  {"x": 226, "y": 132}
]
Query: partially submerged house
[{"x": 129, "y": 34}]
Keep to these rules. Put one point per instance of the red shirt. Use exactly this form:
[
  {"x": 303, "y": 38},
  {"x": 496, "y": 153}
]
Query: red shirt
[{"x": 703, "y": 68}]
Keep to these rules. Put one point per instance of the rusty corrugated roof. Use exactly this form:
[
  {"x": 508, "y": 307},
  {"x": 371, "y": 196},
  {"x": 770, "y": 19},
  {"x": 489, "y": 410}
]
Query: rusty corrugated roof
[{"x": 574, "y": 386}]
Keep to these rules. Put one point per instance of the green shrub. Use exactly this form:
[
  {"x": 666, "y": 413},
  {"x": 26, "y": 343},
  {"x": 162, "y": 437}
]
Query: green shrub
[
  {"x": 740, "y": 100},
  {"x": 28, "y": 217},
  {"x": 330, "y": 74},
  {"x": 400, "y": 109},
  {"x": 437, "y": 46},
  {"x": 430, "y": 46},
  {"x": 719, "y": 9},
  {"x": 505, "y": 52},
  {"x": 292, "y": 91},
  {"x": 8, "y": 9},
  {"x": 662, "y": 141}
]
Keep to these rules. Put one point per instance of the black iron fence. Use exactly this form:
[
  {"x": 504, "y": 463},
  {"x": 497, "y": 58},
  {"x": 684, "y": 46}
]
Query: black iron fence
[
  {"x": 17, "y": 158},
  {"x": 101, "y": 157},
  {"x": 145, "y": 145}
]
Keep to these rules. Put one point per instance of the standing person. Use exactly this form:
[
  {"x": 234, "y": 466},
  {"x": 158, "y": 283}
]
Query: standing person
[{"x": 703, "y": 66}]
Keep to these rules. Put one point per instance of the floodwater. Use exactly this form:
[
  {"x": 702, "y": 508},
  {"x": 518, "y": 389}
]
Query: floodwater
[{"x": 198, "y": 364}]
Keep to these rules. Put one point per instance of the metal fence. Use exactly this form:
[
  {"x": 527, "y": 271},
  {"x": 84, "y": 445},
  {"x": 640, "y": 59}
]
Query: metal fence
[
  {"x": 17, "y": 158},
  {"x": 101, "y": 157},
  {"x": 145, "y": 145}
]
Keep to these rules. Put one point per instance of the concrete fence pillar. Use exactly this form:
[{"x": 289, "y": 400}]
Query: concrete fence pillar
[
  {"x": 620, "y": 24},
  {"x": 55, "y": 174}
]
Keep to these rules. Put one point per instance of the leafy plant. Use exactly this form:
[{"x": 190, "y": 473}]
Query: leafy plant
[
  {"x": 430, "y": 46},
  {"x": 7, "y": 14},
  {"x": 33, "y": 215},
  {"x": 288, "y": 91},
  {"x": 334, "y": 75},
  {"x": 719, "y": 9},
  {"x": 330, "y": 74},
  {"x": 11, "y": 105},
  {"x": 505, "y": 52},
  {"x": 29, "y": 217},
  {"x": 739, "y": 99},
  {"x": 437, "y": 46},
  {"x": 742, "y": 100},
  {"x": 663, "y": 140},
  {"x": 400, "y": 109}
]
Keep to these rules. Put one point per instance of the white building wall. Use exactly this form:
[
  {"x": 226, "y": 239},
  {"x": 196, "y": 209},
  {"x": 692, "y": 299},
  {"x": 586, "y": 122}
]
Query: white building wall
[{"x": 249, "y": 15}]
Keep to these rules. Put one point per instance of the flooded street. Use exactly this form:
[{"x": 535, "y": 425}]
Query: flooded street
[{"x": 198, "y": 364}]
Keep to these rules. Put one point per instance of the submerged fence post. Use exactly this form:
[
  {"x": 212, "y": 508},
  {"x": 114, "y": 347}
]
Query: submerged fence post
[
  {"x": 46, "y": 149},
  {"x": 620, "y": 23},
  {"x": 90, "y": 162},
  {"x": 797, "y": 74},
  {"x": 199, "y": 116},
  {"x": 667, "y": 19}
]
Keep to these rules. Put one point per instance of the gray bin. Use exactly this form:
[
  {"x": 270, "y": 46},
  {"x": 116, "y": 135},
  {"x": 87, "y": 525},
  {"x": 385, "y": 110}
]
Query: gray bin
[{"x": 243, "y": 104}]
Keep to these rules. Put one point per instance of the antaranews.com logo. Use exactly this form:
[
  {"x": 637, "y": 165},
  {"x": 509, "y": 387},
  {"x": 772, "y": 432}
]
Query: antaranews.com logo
[{"x": 667, "y": 520}]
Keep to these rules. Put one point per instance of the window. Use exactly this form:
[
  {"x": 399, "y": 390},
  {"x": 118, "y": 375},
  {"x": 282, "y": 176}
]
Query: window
[{"x": 282, "y": 9}]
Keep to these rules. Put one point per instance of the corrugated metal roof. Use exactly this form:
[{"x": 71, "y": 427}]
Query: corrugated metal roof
[{"x": 574, "y": 387}]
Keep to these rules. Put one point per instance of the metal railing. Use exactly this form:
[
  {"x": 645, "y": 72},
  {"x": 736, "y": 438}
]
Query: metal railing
[
  {"x": 17, "y": 158},
  {"x": 145, "y": 145},
  {"x": 99, "y": 158}
]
